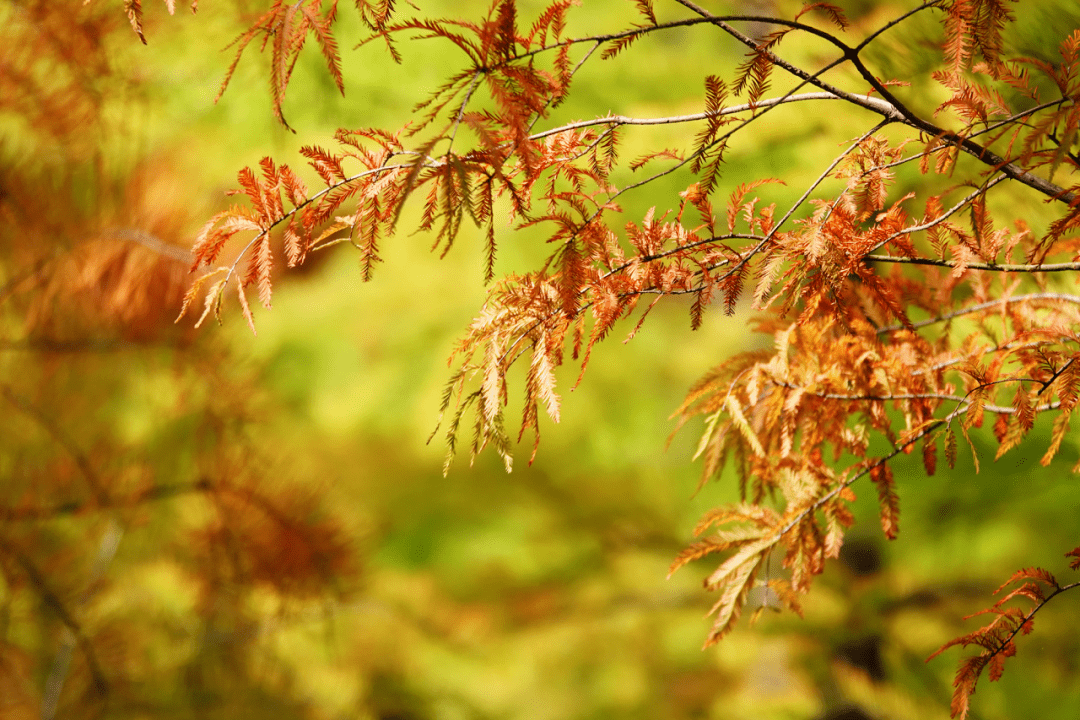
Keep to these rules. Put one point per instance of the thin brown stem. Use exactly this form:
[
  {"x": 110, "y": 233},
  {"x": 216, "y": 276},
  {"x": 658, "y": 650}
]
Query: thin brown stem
[
  {"x": 62, "y": 438},
  {"x": 992, "y": 267},
  {"x": 51, "y": 598},
  {"x": 990, "y": 304}
]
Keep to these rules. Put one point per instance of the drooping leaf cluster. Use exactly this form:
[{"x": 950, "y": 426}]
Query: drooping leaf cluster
[{"x": 997, "y": 639}]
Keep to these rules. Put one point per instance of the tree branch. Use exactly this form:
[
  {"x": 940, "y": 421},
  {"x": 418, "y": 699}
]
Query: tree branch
[
  {"x": 1001, "y": 302},
  {"x": 993, "y": 267},
  {"x": 79, "y": 507},
  {"x": 899, "y": 111},
  {"x": 62, "y": 438},
  {"x": 880, "y": 105},
  {"x": 52, "y": 599}
]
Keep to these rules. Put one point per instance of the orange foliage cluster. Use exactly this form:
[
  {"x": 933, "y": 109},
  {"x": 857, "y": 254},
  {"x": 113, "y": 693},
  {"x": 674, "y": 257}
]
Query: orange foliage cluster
[{"x": 996, "y": 639}]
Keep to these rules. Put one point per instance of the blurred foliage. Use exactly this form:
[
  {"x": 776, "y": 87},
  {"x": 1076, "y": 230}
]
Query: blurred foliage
[{"x": 219, "y": 526}]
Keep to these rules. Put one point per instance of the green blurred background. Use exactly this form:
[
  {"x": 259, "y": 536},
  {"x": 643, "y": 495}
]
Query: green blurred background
[{"x": 539, "y": 594}]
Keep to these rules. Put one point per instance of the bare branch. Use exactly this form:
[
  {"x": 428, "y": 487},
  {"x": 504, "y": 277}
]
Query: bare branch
[
  {"x": 61, "y": 437},
  {"x": 992, "y": 267},
  {"x": 990, "y": 304},
  {"x": 879, "y": 105},
  {"x": 52, "y": 599}
]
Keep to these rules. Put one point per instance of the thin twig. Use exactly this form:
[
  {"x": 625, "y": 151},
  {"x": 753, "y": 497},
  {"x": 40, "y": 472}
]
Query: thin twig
[
  {"x": 62, "y": 438},
  {"x": 696, "y": 117},
  {"x": 900, "y": 112},
  {"x": 945, "y": 215},
  {"x": 52, "y": 599},
  {"x": 992, "y": 267},
  {"x": 1000, "y": 302}
]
